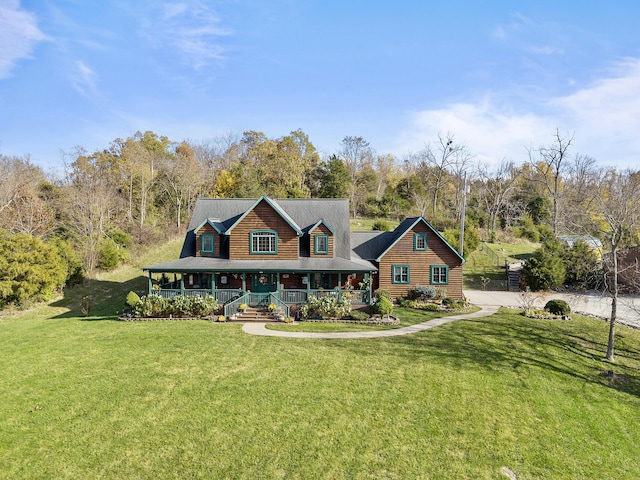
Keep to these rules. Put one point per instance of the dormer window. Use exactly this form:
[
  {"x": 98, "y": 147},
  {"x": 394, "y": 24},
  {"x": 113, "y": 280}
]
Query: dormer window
[
  {"x": 321, "y": 244},
  {"x": 207, "y": 244},
  {"x": 264, "y": 242}
]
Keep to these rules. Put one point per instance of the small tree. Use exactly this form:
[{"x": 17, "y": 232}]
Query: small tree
[
  {"x": 546, "y": 269},
  {"x": 613, "y": 211},
  {"x": 383, "y": 306}
]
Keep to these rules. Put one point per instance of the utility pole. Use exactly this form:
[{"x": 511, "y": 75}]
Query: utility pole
[{"x": 462, "y": 215}]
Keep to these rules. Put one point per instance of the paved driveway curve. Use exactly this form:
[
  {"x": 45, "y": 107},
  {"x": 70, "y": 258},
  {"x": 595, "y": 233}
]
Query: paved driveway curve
[
  {"x": 260, "y": 328},
  {"x": 489, "y": 302}
]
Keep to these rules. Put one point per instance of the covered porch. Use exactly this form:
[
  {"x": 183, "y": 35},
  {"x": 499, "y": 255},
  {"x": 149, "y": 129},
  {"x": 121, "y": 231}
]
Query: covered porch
[{"x": 289, "y": 288}]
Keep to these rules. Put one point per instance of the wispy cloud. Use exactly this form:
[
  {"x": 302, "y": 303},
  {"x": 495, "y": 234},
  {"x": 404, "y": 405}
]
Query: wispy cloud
[
  {"x": 524, "y": 34},
  {"x": 490, "y": 131},
  {"x": 83, "y": 79},
  {"x": 191, "y": 28},
  {"x": 603, "y": 116},
  {"x": 19, "y": 33}
]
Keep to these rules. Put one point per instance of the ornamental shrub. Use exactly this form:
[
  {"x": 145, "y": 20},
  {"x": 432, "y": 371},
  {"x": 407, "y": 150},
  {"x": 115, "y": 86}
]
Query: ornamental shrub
[
  {"x": 431, "y": 307},
  {"x": 450, "y": 303},
  {"x": 326, "y": 307},
  {"x": 155, "y": 306},
  {"x": 382, "y": 293},
  {"x": 421, "y": 292},
  {"x": 132, "y": 299},
  {"x": 383, "y": 306},
  {"x": 558, "y": 307}
]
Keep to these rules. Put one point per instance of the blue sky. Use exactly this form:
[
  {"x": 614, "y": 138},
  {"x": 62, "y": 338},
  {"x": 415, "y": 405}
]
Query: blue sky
[{"x": 500, "y": 76}]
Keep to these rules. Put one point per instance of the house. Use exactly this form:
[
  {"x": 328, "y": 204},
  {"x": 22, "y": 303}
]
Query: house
[
  {"x": 569, "y": 241},
  {"x": 260, "y": 251}
]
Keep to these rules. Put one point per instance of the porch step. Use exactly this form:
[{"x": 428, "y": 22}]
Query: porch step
[{"x": 256, "y": 314}]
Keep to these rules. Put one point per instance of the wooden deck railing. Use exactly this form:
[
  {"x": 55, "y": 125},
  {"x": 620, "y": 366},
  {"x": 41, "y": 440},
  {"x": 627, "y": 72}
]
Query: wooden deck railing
[{"x": 289, "y": 297}]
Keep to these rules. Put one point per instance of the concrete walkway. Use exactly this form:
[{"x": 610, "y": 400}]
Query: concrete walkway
[
  {"x": 260, "y": 328},
  {"x": 489, "y": 302}
]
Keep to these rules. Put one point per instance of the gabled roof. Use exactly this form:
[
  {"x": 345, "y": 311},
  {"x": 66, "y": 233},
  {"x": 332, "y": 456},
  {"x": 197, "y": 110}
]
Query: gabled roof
[
  {"x": 374, "y": 245},
  {"x": 302, "y": 211},
  {"x": 273, "y": 204},
  {"x": 317, "y": 224},
  {"x": 217, "y": 225},
  {"x": 406, "y": 226}
]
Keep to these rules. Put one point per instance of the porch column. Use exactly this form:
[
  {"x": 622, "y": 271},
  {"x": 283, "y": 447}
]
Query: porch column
[
  {"x": 213, "y": 283},
  {"x": 244, "y": 282},
  {"x": 308, "y": 285},
  {"x": 150, "y": 283},
  {"x": 340, "y": 280},
  {"x": 367, "y": 276},
  {"x": 182, "y": 284}
]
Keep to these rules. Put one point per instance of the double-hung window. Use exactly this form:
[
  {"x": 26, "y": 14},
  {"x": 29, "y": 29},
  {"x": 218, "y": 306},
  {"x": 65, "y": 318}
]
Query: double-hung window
[
  {"x": 400, "y": 274},
  {"x": 439, "y": 275},
  {"x": 264, "y": 242},
  {"x": 207, "y": 243},
  {"x": 321, "y": 244}
]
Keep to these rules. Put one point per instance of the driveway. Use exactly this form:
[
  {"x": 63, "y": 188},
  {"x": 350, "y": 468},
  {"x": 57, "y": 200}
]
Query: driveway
[
  {"x": 587, "y": 303},
  {"x": 489, "y": 301}
]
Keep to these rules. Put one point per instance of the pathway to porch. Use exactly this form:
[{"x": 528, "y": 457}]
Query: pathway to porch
[{"x": 260, "y": 328}]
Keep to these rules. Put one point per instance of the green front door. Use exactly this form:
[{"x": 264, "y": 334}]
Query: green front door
[{"x": 263, "y": 282}]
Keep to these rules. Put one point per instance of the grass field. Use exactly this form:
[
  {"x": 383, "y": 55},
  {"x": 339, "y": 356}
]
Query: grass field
[
  {"x": 91, "y": 397},
  {"x": 485, "y": 267}
]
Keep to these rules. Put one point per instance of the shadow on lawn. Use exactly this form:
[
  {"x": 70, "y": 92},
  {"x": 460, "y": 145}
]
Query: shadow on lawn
[
  {"x": 501, "y": 345},
  {"x": 105, "y": 298}
]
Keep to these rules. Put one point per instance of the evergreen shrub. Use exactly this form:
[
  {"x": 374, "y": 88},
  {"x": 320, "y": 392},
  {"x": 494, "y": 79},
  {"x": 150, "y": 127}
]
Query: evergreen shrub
[
  {"x": 558, "y": 307},
  {"x": 383, "y": 306}
]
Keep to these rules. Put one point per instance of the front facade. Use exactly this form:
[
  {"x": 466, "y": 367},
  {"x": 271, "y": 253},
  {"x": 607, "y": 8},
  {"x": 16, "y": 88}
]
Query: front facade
[{"x": 260, "y": 251}]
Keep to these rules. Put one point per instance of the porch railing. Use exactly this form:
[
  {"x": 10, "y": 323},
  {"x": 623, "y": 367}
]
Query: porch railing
[
  {"x": 232, "y": 307},
  {"x": 281, "y": 307},
  {"x": 289, "y": 297},
  {"x": 302, "y": 296},
  {"x": 256, "y": 300},
  {"x": 222, "y": 296}
]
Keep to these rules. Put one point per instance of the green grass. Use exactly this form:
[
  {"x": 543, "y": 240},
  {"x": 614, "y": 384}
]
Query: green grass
[
  {"x": 97, "y": 398},
  {"x": 488, "y": 262},
  {"x": 406, "y": 317},
  {"x": 366, "y": 224}
]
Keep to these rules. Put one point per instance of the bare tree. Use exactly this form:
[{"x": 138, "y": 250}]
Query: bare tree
[
  {"x": 181, "y": 178},
  {"x": 356, "y": 153},
  {"x": 550, "y": 162},
  {"x": 447, "y": 155},
  {"x": 614, "y": 213},
  {"x": 18, "y": 175},
  {"x": 498, "y": 189}
]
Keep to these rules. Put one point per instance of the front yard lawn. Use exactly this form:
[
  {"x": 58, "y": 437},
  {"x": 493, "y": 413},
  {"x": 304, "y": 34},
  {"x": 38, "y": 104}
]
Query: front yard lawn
[
  {"x": 96, "y": 398},
  {"x": 406, "y": 316}
]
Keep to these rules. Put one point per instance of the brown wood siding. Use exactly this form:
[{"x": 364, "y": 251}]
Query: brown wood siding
[
  {"x": 294, "y": 281},
  {"x": 321, "y": 230},
  {"x": 209, "y": 230},
  {"x": 437, "y": 253},
  {"x": 263, "y": 217},
  {"x": 232, "y": 282}
]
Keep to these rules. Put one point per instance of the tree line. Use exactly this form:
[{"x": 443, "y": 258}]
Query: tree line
[{"x": 141, "y": 189}]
